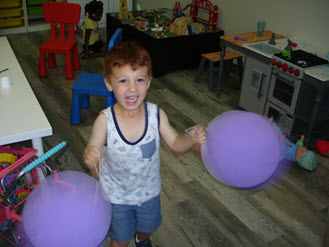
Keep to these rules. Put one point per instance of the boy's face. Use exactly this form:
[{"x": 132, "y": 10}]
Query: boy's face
[
  {"x": 300, "y": 153},
  {"x": 129, "y": 86}
]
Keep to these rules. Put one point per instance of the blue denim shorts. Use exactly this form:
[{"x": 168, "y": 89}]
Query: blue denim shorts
[{"x": 127, "y": 219}]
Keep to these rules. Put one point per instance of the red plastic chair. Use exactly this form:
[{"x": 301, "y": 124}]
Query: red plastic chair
[{"x": 60, "y": 13}]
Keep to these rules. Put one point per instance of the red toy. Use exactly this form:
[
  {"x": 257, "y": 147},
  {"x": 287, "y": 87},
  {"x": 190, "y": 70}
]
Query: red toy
[
  {"x": 177, "y": 8},
  {"x": 322, "y": 147},
  {"x": 206, "y": 5}
]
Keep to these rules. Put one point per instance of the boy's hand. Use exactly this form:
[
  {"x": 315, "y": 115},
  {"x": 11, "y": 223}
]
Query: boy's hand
[
  {"x": 91, "y": 157},
  {"x": 197, "y": 134},
  {"x": 302, "y": 137}
]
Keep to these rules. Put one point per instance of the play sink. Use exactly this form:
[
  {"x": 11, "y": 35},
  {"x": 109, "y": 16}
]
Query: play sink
[{"x": 264, "y": 48}]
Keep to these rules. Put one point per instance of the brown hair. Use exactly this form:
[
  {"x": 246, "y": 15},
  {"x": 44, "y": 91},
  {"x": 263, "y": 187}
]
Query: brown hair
[{"x": 127, "y": 53}]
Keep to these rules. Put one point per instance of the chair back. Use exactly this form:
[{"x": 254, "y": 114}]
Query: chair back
[
  {"x": 61, "y": 13},
  {"x": 116, "y": 38}
]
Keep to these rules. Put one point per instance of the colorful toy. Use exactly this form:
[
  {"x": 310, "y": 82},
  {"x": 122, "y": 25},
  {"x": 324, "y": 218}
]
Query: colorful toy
[
  {"x": 322, "y": 147},
  {"x": 242, "y": 150},
  {"x": 205, "y": 5},
  {"x": 123, "y": 11},
  {"x": 176, "y": 9},
  {"x": 296, "y": 153},
  {"x": 239, "y": 38},
  {"x": 6, "y": 158},
  {"x": 21, "y": 194},
  {"x": 24, "y": 178}
]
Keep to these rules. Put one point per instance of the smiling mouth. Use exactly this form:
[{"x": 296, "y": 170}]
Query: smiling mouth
[{"x": 131, "y": 100}]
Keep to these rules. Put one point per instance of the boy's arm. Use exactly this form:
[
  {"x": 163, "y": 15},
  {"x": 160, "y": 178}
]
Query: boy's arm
[
  {"x": 92, "y": 152},
  {"x": 176, "y": 141}
]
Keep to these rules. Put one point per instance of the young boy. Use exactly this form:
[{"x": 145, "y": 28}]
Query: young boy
[{"x": 126, "y": 136}]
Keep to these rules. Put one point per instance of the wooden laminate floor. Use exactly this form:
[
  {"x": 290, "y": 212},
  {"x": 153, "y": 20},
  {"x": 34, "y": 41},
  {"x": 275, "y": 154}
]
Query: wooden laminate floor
[{"x": 197, "y": 210}]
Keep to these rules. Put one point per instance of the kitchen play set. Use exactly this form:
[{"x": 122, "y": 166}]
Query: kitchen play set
[{"x": 292, "y": 88}]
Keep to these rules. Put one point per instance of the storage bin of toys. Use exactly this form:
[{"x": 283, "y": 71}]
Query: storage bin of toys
[{"x": 12, "y": 161}]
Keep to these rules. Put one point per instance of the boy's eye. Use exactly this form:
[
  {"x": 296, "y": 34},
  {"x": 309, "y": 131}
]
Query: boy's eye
[
  {"x": 123, "y": 81},
  {"x": 140, "y": 80}
]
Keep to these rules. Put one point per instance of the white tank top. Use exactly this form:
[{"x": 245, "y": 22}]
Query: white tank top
[{"x": 131, "y": 171}]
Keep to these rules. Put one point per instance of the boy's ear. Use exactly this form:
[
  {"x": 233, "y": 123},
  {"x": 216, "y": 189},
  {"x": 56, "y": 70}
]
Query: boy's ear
[
  {"x": 149, "y": 83},
  {"x": 108, "y": 84}
]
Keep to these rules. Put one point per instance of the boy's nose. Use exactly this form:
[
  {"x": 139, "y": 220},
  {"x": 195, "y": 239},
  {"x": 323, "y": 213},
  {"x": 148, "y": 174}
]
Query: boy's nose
[{"x": 132, "y": 86}]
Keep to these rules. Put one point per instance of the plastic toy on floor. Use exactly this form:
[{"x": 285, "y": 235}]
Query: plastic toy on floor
[
  {"x": 322, "y": 147},
  {"x": 295, "y": 152}
]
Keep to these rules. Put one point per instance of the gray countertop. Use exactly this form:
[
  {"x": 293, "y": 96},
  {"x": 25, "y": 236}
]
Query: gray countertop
[{"x": 319, "y": 72}]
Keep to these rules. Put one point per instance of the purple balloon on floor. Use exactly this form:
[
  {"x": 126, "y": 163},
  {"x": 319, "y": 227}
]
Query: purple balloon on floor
[
  {"x": 242, "y": 150},
  {"x": 73, "y": 213}
]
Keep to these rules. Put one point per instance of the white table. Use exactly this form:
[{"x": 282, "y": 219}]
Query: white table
[{"x": 21, "y": 117}]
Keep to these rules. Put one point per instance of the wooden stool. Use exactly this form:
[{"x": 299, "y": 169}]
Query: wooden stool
[{"x": 214, "y": 57}]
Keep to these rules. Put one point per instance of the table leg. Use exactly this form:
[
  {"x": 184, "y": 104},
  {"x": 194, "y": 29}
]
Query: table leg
[
  {"x": 200, "y": 69},
  {"x": 37, "y": 144},
  {"x": 221, "y": 66},
  {"x": 211, "y": 76}
]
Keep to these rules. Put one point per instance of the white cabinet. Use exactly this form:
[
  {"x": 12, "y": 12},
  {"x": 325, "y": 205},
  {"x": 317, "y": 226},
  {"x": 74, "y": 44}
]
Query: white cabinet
[
  {"x": 255, "y": 85},
  {"x": 12, "y": 17},
  {"x": 14, "y": 13}
]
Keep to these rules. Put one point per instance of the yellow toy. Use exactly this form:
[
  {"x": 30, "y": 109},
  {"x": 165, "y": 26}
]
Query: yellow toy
[
  {"x": 6, "y": 158},
  {"x": 123, "y": 11}
]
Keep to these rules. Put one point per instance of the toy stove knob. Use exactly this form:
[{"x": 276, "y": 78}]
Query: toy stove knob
[
  {"x": 285, "y": 67},
  {"x": 278, "y": 64},
  {"x": 291, "y": 70},
  {"x": 273, "y": 62},
  {"x": 297, "y": 72}
]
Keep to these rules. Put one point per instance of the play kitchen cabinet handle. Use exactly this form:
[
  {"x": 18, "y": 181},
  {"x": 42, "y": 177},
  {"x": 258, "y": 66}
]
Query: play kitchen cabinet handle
[
  {"x": 261, "y": 85},
  {"x": 290, "y": 82}
]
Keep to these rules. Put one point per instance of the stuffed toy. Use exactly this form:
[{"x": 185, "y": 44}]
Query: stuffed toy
[{"x": 296, "y": 153}]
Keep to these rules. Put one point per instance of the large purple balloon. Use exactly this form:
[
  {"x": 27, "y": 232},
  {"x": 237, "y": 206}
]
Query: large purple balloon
[
  {"x": 71, "y": 214},
  {"x": 242, "y": 150}
]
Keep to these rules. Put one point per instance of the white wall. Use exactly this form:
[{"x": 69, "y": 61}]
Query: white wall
[
  {"x": 154, "y": 4},
  {"x": 306, "y": 22}
]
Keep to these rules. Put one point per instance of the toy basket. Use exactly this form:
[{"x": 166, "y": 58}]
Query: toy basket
[
  {"x": 17, "y": 182},
  {"x": 21, "y": 190}
]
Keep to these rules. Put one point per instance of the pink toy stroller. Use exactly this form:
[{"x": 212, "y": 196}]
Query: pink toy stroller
[{"x": 17, "y": 182}]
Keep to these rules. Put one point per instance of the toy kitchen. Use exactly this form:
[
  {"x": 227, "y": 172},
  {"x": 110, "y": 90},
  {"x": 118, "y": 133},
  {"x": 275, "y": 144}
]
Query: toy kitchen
[{"x": 292, "y": 86}]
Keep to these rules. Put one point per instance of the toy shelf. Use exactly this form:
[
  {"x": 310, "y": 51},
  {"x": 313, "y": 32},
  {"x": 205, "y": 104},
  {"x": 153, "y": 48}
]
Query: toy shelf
[
  {"x": 12, "y": 14},
  {"x": 34, "y": 9},
  {"x": 21, "y": 16}
]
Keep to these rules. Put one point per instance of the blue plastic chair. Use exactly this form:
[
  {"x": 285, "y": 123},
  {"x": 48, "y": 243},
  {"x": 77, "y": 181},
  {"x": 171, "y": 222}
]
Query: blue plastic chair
[
  {"x": 116, "y": 38},
  {"x": 92, "y": 84}
]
